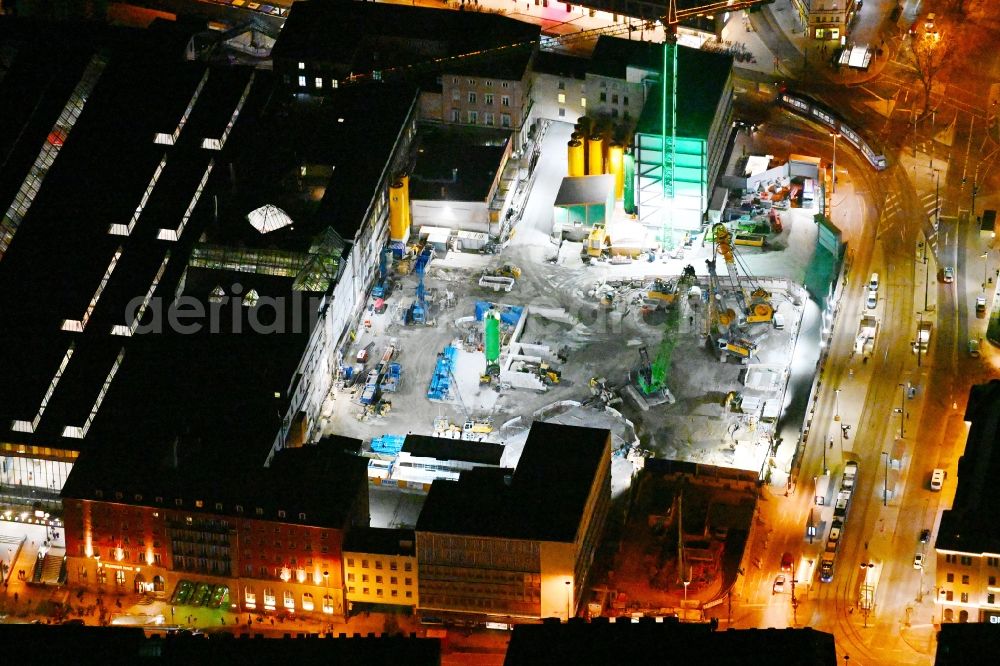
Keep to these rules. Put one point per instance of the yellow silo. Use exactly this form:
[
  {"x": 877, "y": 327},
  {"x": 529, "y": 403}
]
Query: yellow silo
[
  {"x": 575, "y": 158},
  {"x": 397, "y": 212},
  {"x": 407, "y": 215},
  {"x": 616, "y": 167},
  {"x": 595, "y": 154}
]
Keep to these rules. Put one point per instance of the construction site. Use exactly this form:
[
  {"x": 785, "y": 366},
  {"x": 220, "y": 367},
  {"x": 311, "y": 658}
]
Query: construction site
[{"x": 684, "y": 354}]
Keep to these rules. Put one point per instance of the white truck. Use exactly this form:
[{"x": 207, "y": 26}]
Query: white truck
[
  {"x": 864, "y": 343},
  {"x": 923, "y": 341}
]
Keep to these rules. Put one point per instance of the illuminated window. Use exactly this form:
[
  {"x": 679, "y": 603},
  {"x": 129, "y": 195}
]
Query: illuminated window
[
  {"x": 318, "y": 82},
  {"x": 583, "y": 102},
  {"x": 302, "y": 82},
  {"x": 302, "y": 65},
  {"x": 561, "y": 97}
]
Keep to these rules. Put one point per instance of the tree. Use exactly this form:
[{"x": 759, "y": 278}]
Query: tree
[{"x": 930, "y": 53}]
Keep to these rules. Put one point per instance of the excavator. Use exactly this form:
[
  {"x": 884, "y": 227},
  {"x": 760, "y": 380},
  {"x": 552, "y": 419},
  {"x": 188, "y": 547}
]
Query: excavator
[{"x": 757, "y": 304}]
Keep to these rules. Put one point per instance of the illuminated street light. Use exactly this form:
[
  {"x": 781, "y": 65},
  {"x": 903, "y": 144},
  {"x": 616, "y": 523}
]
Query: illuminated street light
[
  {"x": 985, "y": 269},
  {"x": 836, "y": 416}
]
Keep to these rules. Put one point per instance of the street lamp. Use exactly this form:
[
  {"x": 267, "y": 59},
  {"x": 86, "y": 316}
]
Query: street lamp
[
  {"x": 835, "y": 135},
  {"x": 686, "y": 583},
  {"x": 836, "y": 416},
  {"x": 327, "y": 606},
  {"x": 885, "y": 483},
  {"x": 920, "y": 347},
  {"x": 902, "y": 410},
  {"x": 984, "y": 257},
  {"x": 569, "y": 587}
]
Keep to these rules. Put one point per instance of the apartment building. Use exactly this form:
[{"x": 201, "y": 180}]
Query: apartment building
[
  {"x": 472, "y": 68},
  {"x": 827, "y": 20},
  {"x": 967, "y": 546},
  {"x": 270, "y": 538}
]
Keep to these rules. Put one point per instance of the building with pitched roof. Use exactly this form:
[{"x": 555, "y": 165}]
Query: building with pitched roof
[
  {"x": 473, "y": 68},
  {"x": 503, "y": 545},
  {"x": 967, "y": 545},
  {"x": 175, "y": 293}
]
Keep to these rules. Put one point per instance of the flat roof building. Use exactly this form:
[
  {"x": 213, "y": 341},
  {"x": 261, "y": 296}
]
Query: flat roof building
[
  {"x": 500, "y": 543},
  {"x": 380, "y": 568},
  {"x": 473, "y": 68}
]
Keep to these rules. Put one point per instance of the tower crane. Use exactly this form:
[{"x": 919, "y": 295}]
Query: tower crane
[{"x": 668, "y": 156}]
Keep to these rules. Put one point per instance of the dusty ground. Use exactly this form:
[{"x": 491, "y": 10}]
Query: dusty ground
[{"x": 558, "y": 290}]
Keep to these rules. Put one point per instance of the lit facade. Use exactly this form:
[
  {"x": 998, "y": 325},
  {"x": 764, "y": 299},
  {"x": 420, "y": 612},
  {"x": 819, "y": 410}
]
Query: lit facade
[
  {"x": 967, "y": 586},
  {"x": 267, "y": 564},
  {"x": 704, "y": 123},
  {"x": 380, "y": 568},
  {"x": 826, "y": 19},
  {"x": 967, "y": 545},
  {"x": 273, "y": 539}
]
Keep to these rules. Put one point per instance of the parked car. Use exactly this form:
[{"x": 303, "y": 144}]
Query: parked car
[
  {"x": 872, "y": 299},
  {"x": 973, "y": 348},
  {"x": 925, "y": 535},
  {"x": 948, "y": 275},
  {"x": 937, "y": 479},
  {"x": 918, "y": 561},
  {"x": 786, "y": 562},
  {"x": 779, "y": 584},
  {"x": 980, "y": 306}
]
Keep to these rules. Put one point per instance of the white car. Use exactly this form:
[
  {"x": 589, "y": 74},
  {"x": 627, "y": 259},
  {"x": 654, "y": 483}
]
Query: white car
[
  {"x": 949, "y": 274},
  {"x": 779, "y": 584},
  {"x": 872, "y": 299},
  {"x": 918, "y": 561}
]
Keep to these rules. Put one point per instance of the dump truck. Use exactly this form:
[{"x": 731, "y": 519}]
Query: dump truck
[
  {"x": 496, "y": 283},
  {"x": 923, "y": 341}
]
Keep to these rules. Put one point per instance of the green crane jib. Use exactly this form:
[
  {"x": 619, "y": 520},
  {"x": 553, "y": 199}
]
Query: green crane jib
[{"x": 652, "y": 377}]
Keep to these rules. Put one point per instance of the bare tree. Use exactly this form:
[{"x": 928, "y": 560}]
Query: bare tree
[{"x": 930, "y": 53}]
